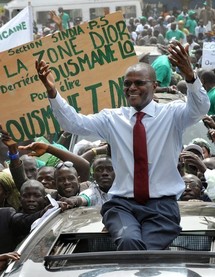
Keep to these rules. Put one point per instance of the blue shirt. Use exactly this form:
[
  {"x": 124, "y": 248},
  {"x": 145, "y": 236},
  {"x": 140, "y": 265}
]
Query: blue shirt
[{"x": 164, "y": 124}]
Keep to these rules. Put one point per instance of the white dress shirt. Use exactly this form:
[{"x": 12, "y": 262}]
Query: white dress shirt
[
  {"x": 95, "y": 196},
  {"x": 164, "y": 124},
  {"x": 210, "y": 179}
]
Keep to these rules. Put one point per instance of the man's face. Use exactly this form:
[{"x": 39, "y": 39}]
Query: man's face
[
  {"x": 201, "y": 22},
  {"x": 173, "y": 26},
  {"x": 189, "y": 39},
  {"x": 139, "y": 94},
  {"x": 60, "y": 11},
  {"x": 67, "y": 182},
  {"x": 32, "y": 199},
  {"x": 193, "y": 188},
  {"x": 103, "y": 173},
  {"x": 46, "y": 177},
  {"x": 30, "y": 169}
]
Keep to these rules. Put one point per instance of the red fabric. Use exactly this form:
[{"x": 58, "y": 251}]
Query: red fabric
[{"x": 141, "y": 178}]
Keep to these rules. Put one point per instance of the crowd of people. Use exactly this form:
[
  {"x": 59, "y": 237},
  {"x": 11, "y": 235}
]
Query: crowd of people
[
  {"x": 190, "y": 27},
  {"x": 175, "y": 24},
  {"x": 104, "y": 174}
]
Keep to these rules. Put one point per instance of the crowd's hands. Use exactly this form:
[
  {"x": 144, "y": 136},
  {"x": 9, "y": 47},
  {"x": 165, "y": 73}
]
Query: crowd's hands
[
  {"x": 7, "y": 257},
  {"x": 57, "y": 19},
  {"x": 46, "y": 77},
  {"x": 37, "y": 148},
  {"x": 6, "y": 138},
  {"x": 210, "y": 125},
  {"x": 63, "y": 205},
  {"x": 170, "y": 89},
  {"x": 188, "y": 157},
  {"x": 208, "y": 122},
  {"x": 8, "y": 141},
  {"x": 179, "y": 57},
  {"x": 74, "y": 201},
  {"x": 211, "y": 134},
  {"x": 102, "y": 148}
]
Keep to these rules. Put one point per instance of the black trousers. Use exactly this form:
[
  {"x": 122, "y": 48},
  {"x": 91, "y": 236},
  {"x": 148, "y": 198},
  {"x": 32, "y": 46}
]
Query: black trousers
[{"x": 152, "y": 226}]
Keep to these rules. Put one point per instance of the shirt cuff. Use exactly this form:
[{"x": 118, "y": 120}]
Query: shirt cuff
[{"x": 57, "y": 102}]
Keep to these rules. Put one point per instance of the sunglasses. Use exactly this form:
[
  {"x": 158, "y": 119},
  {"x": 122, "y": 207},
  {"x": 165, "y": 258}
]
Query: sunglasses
[
  {"x": 66, "y": 164},
  {"x": 137, "y": 83},
  {"x": 192, "y": 186}
]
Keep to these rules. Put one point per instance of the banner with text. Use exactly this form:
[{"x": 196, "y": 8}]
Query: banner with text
[
  {"x": 18, "y": 30},
  {"x": 208, "y": 55},
  {"x": 88, "y": 62}
]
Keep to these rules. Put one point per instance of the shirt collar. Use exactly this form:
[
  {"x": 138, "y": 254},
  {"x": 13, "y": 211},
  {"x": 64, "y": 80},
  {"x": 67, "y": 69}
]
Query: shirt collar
[{"x": 149, "y": 110}]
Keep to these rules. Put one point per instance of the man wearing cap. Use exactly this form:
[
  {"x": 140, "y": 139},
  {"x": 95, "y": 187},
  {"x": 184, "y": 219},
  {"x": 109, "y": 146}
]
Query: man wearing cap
[
  {"x": 46, "y": 31},
  {"x": 206, "y": 148},
  {"x": 140, "y": 26},
  {"x": 183, "y": 15},
  {"x": 175, "y": 34},
  {"x": 182, "y": 28},
  {"x": 194, "y": 148},
  {"x": 207, "y": 14},
  {"x": 191, "y": 22},
  {"x": 65, "y": 18},
  {"x": 184, "y": 165}
]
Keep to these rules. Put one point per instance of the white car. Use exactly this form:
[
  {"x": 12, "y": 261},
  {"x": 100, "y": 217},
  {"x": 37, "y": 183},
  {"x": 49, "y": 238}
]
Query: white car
[{"x": 74, "y": 243}]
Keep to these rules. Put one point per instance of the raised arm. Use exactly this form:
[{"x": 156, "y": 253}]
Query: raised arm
[
  {"x": 57, "y": 19},
  {"x": 16, "y": 165},
  {"x": 192, "y": 159},
  {"x": 12, "y": 153},
  {"x": 198, "y": 103},
  {"x": 179, "y": 57},
  {"x": 39, "y": 148},
  {"x": 94, "y": 151},
  {"x": 46, "y": 77}
]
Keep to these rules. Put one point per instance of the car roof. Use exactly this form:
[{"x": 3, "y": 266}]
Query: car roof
[{"x": 75, "y": 241}]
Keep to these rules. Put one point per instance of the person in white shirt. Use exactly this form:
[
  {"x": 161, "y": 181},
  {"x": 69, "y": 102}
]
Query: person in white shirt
[
  {"x": 200, "y": 29},
  {"x": 140, "y": 26},
  {"x": 103, "y": 175},
  {"x": 131, "y": 224}
]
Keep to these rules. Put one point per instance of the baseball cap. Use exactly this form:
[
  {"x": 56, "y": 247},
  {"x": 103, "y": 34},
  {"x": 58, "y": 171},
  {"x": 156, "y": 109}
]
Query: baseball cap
[
  {"x": 46, "y": 30},
  {"x": 191, "y": 12},
  {"x": 142, "y": 17},
  {"x": 202, "y": 142},
  {"x": 193, "y": 146}
]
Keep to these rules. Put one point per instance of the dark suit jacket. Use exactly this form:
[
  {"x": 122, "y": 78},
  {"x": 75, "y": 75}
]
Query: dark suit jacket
[{"x": 14, "y": 227}]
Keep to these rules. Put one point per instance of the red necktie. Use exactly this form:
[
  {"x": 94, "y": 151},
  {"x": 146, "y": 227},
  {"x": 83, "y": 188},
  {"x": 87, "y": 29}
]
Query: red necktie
[{"x": 141, "y": 178}]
